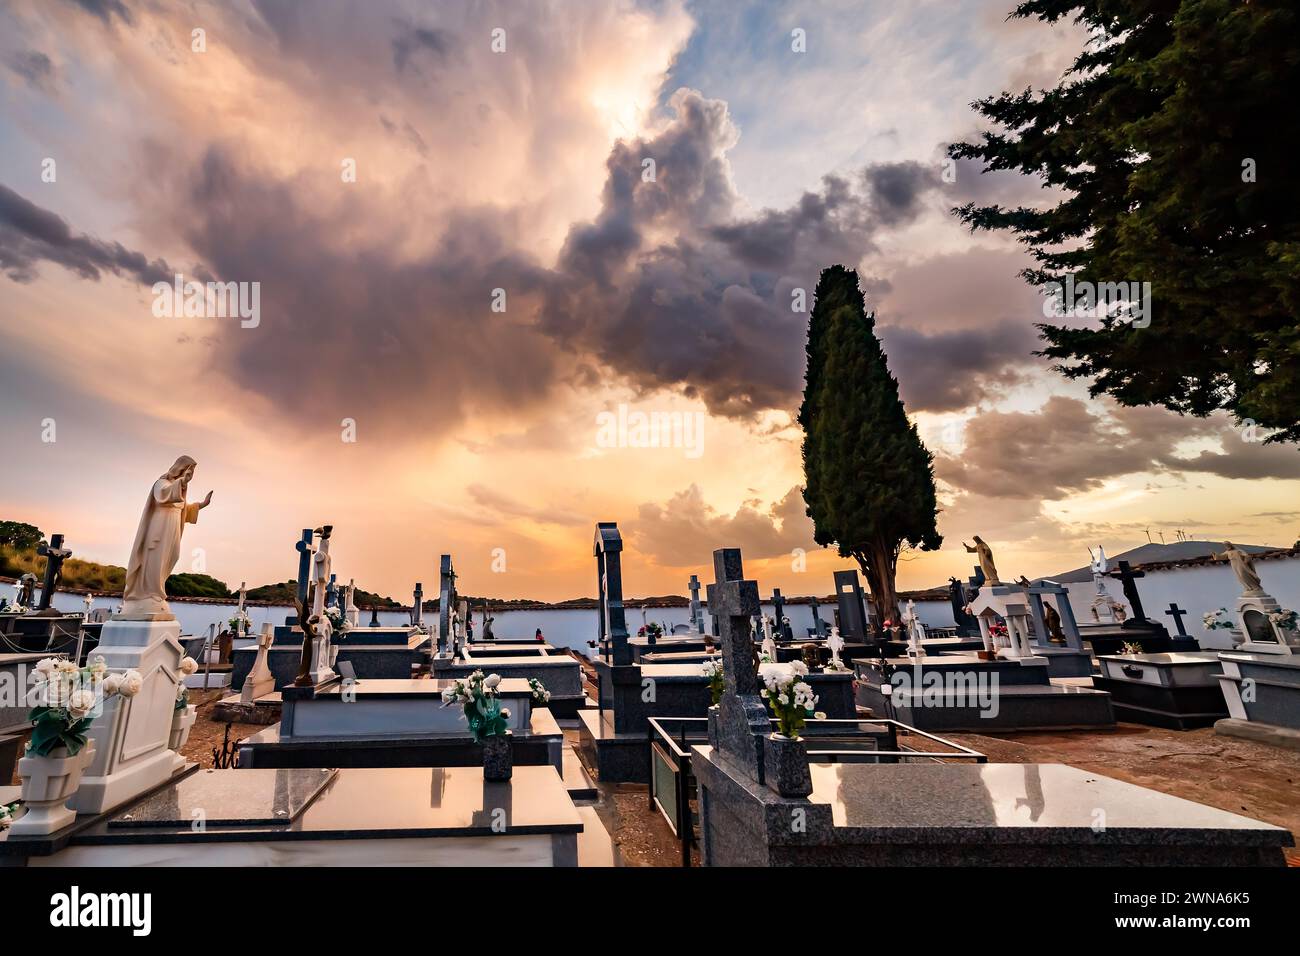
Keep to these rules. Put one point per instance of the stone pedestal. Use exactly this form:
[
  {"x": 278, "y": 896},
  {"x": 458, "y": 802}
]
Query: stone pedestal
[
  {"x": 131, "y": 735},
  {"x": 1262, "y": 635},
  {"x": 260, "y": 681}
]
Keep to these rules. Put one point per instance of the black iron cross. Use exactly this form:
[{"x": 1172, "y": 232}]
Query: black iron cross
[
  {"x": 55, "y": 554},
  {"x": 1177, "y": 614},
  {"x": 1128, "y": 580},
  {"x": 304, "y": 562}
]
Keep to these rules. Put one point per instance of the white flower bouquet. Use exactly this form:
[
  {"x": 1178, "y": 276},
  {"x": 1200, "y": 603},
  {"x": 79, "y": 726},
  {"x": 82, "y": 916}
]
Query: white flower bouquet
[
  {"x": 791, "y": 698},
  {"x": 540, "y": 694},
  {"x": 483, "y": 710},
  {"x": 1284, "y": 618},
  {"x": 1217, "y": 620},
  {"x": 68, "y": 698},
  {"x": 712, "y": 669}
]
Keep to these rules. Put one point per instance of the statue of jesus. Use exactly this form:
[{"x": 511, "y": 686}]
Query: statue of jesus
[
  {"x": 158, "y": 544},
  {"x": 1243, "y": 566},
  {"x": 985, "y": 554}
]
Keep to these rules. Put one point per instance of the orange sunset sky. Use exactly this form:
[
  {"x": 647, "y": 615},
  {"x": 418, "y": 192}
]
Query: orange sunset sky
[{"x": 522, "y": 169}]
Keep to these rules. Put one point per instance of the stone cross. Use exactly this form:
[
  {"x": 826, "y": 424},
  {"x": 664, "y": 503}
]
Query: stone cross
[
  {"x": 1177, "y": 614},
  {"x": 1128, "y": 579},
  {"x": 55, "y": 554},
  {"x": 305, "y": 551},
  {"x": 612, "y": 636},
  {"x": 742, "y": 722},
  {"x": 374, "y": 616},
  {"x": 697, "y": 615},
  {"x": 818, "y": 627},
  {"x": 417, "y": 607},
  {"x": 708, "y": 596},
  {"x": 332, "y": 591},
  {"x": 446, "y": 602},
  {"x": 782, "y": 628}
]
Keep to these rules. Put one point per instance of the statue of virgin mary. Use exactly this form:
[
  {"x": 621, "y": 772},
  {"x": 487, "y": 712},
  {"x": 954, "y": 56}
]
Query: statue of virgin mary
[{"x": 158, "y": 544}]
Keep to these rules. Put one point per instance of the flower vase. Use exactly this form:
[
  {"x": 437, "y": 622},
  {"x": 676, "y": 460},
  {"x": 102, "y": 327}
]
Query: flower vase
[
  {"x": 48, "y": 782},
  {"x": 785, "y": 765},
  {"x": 498, "y": 757},
  {"x": 182, "y": 722}
]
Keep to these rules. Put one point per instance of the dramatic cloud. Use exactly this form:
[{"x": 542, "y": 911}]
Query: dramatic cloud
[
  {"x": 1068, "y": 446},
  {"x": 30, "y": 234},
  {"x": 34, "y": 67},
  {"x": 947, "y": 371},
  {"x": 685, "y": 530}
]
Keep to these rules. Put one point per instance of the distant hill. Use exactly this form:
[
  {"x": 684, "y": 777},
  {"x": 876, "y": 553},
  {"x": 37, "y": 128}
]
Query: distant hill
[
  {"x": 287, "y": 593},
  {"x": 1153, "y": 553}
]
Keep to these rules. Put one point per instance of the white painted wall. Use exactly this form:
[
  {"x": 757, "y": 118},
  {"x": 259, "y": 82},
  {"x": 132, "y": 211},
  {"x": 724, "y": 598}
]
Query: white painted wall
[{"x": 1197, "y": 590}]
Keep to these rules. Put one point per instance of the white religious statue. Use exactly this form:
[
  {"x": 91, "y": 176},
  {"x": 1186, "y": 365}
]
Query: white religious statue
[
  {"x": 320, "y": 657},
  {"x": 769, "y": 643},
  {"x": 1104, "y": 607},
  {"x": 158, "y": 544},
  {"x": 835, "y": 644},
  {"x": 915, "y": 632},
  {"x": 90, "y": 605},
  {"x": 351, "y": 613},
  {"x": 1243, "y": 566}
]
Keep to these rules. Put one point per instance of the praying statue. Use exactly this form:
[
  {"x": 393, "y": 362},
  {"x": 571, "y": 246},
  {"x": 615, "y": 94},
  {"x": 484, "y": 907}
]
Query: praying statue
[
  {"x": 158, "y": 544},
  {"x": 985, "y": 554},
  {"x": 1243, "y": 566}
]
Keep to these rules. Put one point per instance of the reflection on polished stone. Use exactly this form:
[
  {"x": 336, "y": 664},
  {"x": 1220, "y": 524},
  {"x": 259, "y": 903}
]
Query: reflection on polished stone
[
  {"x": 1007, "y": 797},
  {"x": 229, "y": 798}
]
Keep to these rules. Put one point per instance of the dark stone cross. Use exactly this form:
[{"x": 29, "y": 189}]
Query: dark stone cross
[
  {"x": 817, "y": 618},
  {"x": 741, "y": 722},
  {"x": 708, "y": 596},
  {"x": 697, "y": 616},
  {"x": 1128, "y": 580},
  {"x": 417, "y": 604},
  {"x": 446, "y": 602},
  {"x": 304, "y": 563},
  {"x": 374, "y": 616},
  {"x": 1177, "y": 614},
  {"x": 55, "y": 554},
  {"x": 332, "y": 591},
  {"x": 783, "y": 631},
  {"x": 612, "y": 637}
]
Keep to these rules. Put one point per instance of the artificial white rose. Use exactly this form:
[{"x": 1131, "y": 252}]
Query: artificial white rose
[
  {"x": 505, "y": 712},
  {"x": 80, "y": 703},
  {"x": 98, "y": 666},
  {"x": 491, "y": 681},
  {"x": 112, "y": 684},
  {"x": 131, "y": 684},
  {"x": 188, "y": 666}
]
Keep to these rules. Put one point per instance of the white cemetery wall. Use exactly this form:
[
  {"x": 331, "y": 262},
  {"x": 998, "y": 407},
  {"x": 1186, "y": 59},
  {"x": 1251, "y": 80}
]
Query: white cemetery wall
[
  {"x": 562, "y": 627},
  {"x": 1198, "y": 590}
]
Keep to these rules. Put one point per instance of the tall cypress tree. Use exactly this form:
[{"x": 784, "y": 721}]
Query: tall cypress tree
[{"x": 868, "y": 480}]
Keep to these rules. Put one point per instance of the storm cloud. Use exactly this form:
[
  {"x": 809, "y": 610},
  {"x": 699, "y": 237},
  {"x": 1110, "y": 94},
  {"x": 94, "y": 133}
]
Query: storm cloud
[{"x": 30, "y": 234}]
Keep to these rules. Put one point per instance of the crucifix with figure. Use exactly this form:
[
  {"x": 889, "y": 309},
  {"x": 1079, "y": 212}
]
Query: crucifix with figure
[{"x": 55, "y": 554}]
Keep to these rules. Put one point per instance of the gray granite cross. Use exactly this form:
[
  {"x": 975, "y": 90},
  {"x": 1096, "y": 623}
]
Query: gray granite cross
[
  {"x": 608, "y": 549},
  {"x": 55, "y": 554},
  {"x": 742, "y": 720},
  {"x": 817, "y": 617},
  {"x": 305, "y": 551},
  {"x": 697, "y": 616},
  {"x": 1177, "y": 614},
  {"x": 446, "y": 602}
]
